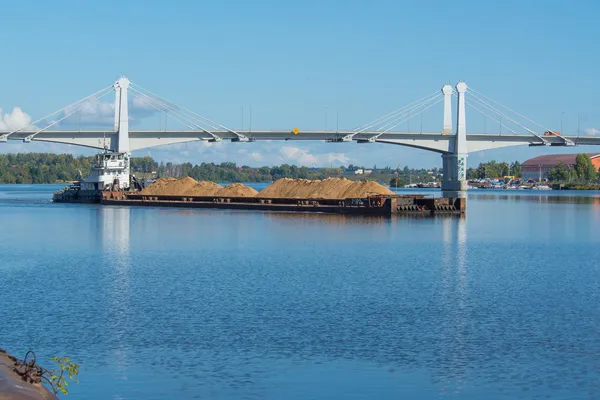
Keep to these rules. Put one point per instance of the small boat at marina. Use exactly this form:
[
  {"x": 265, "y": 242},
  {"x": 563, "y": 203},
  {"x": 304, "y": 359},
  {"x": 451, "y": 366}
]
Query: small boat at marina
[{"x": 541, "y": 187}]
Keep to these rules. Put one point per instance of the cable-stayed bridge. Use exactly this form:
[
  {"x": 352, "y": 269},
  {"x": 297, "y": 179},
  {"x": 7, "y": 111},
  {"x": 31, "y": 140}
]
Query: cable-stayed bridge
[{"x": 452, "y": 142}]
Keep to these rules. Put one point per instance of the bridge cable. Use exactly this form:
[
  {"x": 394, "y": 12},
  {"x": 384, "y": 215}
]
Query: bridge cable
[
  {"x": 425, "y": 108},
  {"x": 483, "y": 103},
  {"x": 375, "y": 137},
  {"x": 194, "y": 121},
  {"x": 567, "y": 141},
  {"x": 392, "y": 114},
  {"x": 397, "y": 117},
  {"x": 470, "y": 100},
  {"x": 159, "y": 108},
  {"x": 389, "y": 116},
  {"x": 195, "y": 126},
  {"x": 67, "y": 115},
  {"x": 197, "y": 117},
  {"x": 477, "y": 100},
  {"x": 168, "y": 107},
  {"x": 56, "y": 112},
  {"x": 240, "y": 136},
  {"x": 490, "y": 117},
  {"x": 503, "y": 106},
  {"x": 438, "y": 97}
]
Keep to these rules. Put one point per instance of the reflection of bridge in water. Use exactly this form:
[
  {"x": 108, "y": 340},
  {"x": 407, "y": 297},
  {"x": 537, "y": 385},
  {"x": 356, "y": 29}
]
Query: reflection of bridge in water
[
  {"x": 390, "y": 342},
  {"x": 114, "y": 223},
  {"x": 585, "y": 198},
  {"x": 434, "y": 305},
  {"x": 452, "y": 142}
]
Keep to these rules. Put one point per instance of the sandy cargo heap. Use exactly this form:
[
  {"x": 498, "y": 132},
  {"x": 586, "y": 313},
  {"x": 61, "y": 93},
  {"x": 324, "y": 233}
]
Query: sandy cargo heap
[{"x": 330, "y": 188}]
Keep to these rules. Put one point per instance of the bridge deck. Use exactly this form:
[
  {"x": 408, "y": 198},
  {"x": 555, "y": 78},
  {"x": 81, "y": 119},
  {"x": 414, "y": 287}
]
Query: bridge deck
[{"x": 437, "y": 142}]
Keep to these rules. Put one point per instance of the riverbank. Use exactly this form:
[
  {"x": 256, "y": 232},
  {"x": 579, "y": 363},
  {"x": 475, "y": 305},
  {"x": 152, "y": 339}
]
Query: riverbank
[
  {"x": 27, "y": 386},
  {"x": 575, "y": 186}
]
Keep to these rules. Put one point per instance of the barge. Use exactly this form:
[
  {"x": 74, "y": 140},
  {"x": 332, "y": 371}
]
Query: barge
[
  {"x": 110, "y": 183},
  {"x": 380, "y": 205}
]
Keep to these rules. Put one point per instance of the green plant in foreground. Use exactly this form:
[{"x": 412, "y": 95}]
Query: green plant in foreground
[
  {"x": 65, "y": 367},
  {"x": 31, "y": 372}
]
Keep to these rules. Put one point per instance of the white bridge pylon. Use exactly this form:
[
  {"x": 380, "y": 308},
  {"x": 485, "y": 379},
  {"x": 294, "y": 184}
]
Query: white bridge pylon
[{"x": 452, "y": 142}]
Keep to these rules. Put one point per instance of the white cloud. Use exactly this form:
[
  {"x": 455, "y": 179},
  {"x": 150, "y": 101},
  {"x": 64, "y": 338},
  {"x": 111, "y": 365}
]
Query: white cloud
[
  {"x": 96, "y": 113},
  {"x": 91, "y": 113},
  {"x": 303, "y": 157},
  {"x": 256, "y": 156},
  {"x": 140, "y": 103},
  {"x": 14, "y": 120},
  {"x": 592, "y": 131},
  {"x": 291, "y": 153}
]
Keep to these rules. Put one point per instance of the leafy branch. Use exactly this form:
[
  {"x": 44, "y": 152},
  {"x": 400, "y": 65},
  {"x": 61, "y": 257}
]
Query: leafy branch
[
  {"x": 58, "y": 382},
  {"x": 30, "y": 372}
]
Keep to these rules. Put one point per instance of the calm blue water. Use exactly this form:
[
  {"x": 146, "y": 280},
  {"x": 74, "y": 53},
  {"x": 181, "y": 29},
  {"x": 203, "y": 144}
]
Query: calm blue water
[{"x": 185, "y": 304}]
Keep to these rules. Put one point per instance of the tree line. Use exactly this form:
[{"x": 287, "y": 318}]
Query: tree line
[
  {"x": 494, "y": 169},
  {"x": 230, "y": 171},
  {"x": 59, "y": 168},
  {"x": 582, "y": 171},
  {"x": 56, "y": 168},
  {"x": 42, "y": 167}
]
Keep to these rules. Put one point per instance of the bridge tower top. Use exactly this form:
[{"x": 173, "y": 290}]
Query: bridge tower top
[
  {"x": 461, "y": 124},
  {"x": 122, "y": 114},
  {"x": 447, "y": 91}
]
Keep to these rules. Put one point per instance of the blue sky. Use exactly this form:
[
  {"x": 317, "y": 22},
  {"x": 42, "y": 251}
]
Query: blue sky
[{"x": 291, "y": 60}]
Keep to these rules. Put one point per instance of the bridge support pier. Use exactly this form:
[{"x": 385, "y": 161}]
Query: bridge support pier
[{"x": 454, "y": 183}]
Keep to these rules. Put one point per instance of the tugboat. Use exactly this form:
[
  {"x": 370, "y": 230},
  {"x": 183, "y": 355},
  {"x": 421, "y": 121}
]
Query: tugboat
[{"x": 111, "y": 172}]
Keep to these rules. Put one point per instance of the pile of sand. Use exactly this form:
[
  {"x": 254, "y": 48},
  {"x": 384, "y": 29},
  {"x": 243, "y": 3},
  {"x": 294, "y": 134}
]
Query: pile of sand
[
  {"x": 330, "y": 188},
  {"x": 202, "y": 188},
  {"x": 364, "y": 189},
  {"x": 161, "y": 186},
  {"x": 237, "y": 190},
  {"x": 189, "y": 187},
  {"x": 176, "y": 187}
]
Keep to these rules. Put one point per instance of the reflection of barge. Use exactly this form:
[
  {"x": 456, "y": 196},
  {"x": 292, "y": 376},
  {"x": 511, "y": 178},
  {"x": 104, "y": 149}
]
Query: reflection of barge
[{"x": 373, "y": 205}]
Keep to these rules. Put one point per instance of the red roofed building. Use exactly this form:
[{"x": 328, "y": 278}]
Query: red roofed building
[{"x": 538, "y": 167}]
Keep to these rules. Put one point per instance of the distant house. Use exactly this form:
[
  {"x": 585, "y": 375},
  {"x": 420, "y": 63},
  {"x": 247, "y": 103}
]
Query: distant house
[
  {"x": 367, "y": 171},
  {"x": 358, "y": 172},
  {"x": 538, "y": 168}
]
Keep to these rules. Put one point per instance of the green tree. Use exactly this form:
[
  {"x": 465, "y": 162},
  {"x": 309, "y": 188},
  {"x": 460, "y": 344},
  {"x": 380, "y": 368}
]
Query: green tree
[
  {"x": 504, "y": 169},
  {"x": 560, "y": 173},
  {"x": 515, "y": 169},
  {"x": 584, "y": 168},
  {"x": 471, "y": 173},
  {"x": 397, "y": 182}
]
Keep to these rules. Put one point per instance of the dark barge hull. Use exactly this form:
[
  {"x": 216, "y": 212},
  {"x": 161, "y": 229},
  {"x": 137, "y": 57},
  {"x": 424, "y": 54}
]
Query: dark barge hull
[
  {"x": 375, "y": 205},
  {"x": 78, "y": 196}
]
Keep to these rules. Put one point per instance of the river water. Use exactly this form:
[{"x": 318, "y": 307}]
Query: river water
[{"x": 185, "y": 304}]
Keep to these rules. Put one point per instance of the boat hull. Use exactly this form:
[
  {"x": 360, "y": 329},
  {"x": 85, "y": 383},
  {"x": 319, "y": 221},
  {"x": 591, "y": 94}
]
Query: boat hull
[{"x": 78, "y": 196}]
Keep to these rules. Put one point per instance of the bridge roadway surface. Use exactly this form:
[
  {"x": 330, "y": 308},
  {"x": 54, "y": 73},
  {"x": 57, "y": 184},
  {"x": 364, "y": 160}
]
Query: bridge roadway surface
[{"x": 437, "y": 142}]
